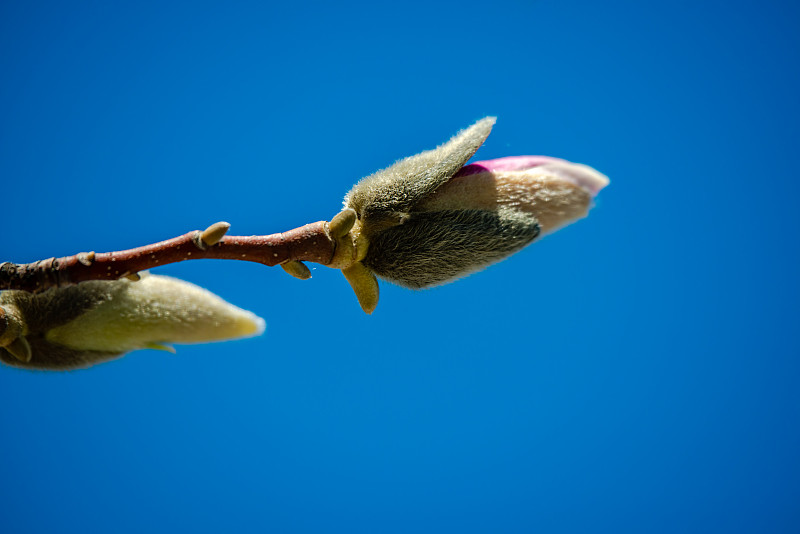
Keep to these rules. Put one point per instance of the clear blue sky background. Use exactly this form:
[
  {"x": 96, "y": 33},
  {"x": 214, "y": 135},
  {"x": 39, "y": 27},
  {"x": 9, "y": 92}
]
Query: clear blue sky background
[{"x": 635, "y": 372}]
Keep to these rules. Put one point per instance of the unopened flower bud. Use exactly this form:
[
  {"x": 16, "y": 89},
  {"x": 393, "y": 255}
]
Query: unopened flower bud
[
  {"x": 92, "y": 322},
  {"x": 428, "y": 219}
]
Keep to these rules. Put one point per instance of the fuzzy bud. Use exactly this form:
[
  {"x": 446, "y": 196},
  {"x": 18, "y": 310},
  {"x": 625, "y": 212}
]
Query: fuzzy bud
[
  {"x": 429, "y": 219},
  {"x": 91, "y": 322}
]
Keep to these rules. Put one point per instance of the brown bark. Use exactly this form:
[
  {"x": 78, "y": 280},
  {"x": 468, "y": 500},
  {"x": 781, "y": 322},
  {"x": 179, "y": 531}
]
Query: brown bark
[{"x": 311, "y": 242}]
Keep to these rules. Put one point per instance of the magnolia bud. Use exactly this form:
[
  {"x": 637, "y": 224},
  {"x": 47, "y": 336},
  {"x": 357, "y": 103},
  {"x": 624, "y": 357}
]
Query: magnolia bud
[
  {"x": 428, "y": 220},
  {"x": 92, "y": 322}
]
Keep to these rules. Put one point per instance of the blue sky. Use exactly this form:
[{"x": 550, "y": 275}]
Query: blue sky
[{"x": 634, "y": 372}]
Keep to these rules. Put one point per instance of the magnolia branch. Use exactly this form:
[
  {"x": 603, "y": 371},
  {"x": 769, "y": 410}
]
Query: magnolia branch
[{"x": 312, "y": 242}]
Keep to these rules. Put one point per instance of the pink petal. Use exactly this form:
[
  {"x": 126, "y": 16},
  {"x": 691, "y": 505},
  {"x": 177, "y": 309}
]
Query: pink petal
[
  {"x": 582, "y": 175},
  {"x": 512, "y": 163}
]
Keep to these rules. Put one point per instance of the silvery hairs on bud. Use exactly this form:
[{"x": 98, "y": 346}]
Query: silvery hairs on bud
[
  {"x": 92, "y": 322},
  {"x": 416, "y": 247},
  {"x": 432, "y": 248},
  {"x": 387, "y": 197}
]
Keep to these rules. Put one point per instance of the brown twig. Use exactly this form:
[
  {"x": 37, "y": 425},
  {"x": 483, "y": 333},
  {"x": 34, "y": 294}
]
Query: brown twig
[{"x": 311, "y": 242}]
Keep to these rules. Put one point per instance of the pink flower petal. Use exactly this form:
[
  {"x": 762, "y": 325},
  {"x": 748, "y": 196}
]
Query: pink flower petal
[
  {"x": 512, "y": 163},
  {"x": 579, "y": 174}
]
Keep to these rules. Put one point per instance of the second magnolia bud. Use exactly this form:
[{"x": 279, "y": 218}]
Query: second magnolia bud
[{"x": 92, "y": 322}]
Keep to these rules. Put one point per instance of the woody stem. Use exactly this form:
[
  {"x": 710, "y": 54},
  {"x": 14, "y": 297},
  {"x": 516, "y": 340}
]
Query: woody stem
[{"x": 311, "y": 242}]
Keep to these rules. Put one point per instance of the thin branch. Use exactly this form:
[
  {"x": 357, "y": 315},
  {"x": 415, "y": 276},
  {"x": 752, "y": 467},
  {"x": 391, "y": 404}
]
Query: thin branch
[{"x": 311, "y": 242}]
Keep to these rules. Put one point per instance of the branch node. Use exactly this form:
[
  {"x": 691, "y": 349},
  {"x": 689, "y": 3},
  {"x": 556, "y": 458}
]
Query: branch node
[
  {"x": 211, "y": 235},
  {"x": 342, "y": 223}
]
